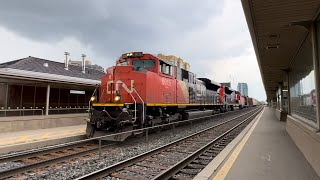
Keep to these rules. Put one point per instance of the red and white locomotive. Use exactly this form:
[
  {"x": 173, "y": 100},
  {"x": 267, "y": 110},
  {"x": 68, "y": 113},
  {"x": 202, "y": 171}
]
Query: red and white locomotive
[{"x": 144, "y": 90}]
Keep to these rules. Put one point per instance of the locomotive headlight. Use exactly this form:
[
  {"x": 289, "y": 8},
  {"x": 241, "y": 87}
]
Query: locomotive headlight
[
  {"x": 117, "y": 98},
  {"x": 92, "y": 98}
]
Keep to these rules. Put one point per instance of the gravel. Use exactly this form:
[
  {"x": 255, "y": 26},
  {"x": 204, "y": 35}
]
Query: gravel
[
  {"x": 124, "y": 150},
  {"x": 10, "y": 165}
]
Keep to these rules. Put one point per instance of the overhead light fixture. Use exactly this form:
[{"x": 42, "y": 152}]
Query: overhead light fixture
[
  {"x": 272, "y": 46},
  {"x": 273, "y": 36}
]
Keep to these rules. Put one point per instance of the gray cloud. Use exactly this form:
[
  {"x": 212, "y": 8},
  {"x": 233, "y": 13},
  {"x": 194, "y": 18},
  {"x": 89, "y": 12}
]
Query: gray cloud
[
  {"x": 110, "y": 27},
  {"x": 211, "y": 35}
]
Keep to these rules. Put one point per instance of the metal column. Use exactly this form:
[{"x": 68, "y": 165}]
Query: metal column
[
  {"x": 6, "y": 104},
  {"x": 288, "y": 92},
  {"x": 280, "y": 87},
  {"x": 316, "y": 70},
  {"x": 47, "y": 100}
]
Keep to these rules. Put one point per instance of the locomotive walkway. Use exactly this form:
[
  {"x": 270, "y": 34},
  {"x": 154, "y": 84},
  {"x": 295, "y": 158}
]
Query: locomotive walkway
[{"x": 266, "y": 151}]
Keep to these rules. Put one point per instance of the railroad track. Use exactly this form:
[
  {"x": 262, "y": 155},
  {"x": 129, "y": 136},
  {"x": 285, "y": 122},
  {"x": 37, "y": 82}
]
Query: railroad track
[
  {"x": 33, "y": 160},
  {"x": 181, "y": 159}
]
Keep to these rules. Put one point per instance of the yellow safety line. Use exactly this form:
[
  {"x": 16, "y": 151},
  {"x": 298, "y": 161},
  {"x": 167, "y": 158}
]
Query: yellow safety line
[{"x": 222, "y": 173}]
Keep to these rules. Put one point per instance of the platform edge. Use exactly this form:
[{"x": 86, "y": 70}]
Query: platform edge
[{"x": 210, "y": 170}]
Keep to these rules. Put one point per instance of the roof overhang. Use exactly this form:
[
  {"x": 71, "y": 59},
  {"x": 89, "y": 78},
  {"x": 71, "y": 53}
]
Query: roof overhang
[
  {"x": 206, "y": 80},
  {"x": 38, "y": 76},
  {"x": 277, "y": 31},
  {"x": 228, "y": 90}
]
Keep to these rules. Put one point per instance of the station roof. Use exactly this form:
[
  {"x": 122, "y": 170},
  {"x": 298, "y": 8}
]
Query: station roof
[
  {"x": 42, "y": 69},
  {"x": 277, "y": 33}
]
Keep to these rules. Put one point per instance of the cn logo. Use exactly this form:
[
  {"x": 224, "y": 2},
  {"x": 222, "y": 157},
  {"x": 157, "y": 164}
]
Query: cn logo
[{"x": 118, "y": 82}]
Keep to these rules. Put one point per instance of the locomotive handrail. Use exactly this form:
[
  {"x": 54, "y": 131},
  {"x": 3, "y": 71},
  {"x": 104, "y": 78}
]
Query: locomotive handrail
[
  {"x": 135, "y": 107},
  {"x": 142, "y": 104}
]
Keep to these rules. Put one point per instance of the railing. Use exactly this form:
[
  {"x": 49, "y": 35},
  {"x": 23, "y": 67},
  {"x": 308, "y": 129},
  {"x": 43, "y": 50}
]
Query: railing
[
  {"x": 21, "y": 110},
  {"x": 65, "y": 109}
]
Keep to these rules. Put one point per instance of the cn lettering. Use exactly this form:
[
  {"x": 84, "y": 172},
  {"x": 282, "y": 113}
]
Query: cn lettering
[{"x": 119, "y": 82}]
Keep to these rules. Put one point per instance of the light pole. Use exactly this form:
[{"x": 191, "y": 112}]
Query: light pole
[
  {"x": 66, "y": 61},
  {"x": 83, "y": 63}
]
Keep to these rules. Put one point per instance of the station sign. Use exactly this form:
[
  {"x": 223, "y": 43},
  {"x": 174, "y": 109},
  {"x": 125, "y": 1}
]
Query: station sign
[{"x": 77, "y": 92}]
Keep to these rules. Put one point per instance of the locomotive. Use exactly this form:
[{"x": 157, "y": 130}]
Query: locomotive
[{"x": 144, "y": 90}]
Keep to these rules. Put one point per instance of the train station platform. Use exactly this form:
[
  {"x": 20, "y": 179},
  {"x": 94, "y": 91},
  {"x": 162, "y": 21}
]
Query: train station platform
[
  {"x": 22, "y": 140},
  {"x": 264, "y": 150}
]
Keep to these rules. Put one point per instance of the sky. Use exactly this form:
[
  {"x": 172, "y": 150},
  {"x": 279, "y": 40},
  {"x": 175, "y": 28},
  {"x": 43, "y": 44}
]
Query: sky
[{"x": 211, "y": 35}]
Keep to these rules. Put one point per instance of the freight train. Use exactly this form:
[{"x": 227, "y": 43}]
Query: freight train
[{"x": 144, "y": 90}]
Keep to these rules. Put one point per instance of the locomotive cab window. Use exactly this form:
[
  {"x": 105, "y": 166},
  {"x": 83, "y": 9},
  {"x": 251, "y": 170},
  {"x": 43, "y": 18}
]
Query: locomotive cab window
[
  {"x": 123, "y": 63},
  {"x": 185, "y": 74},
  {"x": 144, "y": 63},
  {"x": 165, "y": 68}
]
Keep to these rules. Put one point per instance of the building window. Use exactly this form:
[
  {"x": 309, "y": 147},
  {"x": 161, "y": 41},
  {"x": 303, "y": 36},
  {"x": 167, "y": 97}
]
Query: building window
[
  {"x": 40, "y": 100},
  {"x": 14, "y": 100},
  {"x": 302, "y": 85},
  {"x": 3, "y": 99},
  {"x": 67, "y": 100},
  {"x": 24, "y": 100}
]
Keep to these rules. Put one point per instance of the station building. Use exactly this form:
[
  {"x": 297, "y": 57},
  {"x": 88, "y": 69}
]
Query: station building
[
  {"x": 286, "y": 39},
  {"x": 34, "y": 88}
]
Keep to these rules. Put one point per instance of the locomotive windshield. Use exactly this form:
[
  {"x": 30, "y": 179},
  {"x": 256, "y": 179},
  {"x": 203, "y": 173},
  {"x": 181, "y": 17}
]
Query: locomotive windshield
[
  {"x": 123, "y": 63},
  {"x": 144, "y": 63}
]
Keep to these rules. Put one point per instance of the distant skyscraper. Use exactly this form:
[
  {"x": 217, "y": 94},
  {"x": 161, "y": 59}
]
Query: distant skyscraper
[{"x": 243, "y": 88}]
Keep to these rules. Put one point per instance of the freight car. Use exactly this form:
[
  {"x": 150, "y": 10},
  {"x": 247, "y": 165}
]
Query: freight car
[
  {"x": 143, "y": 90},
  {"x": 232, "y": 99},
  {"x": 243, "y": 102},
  {"x": 252, "y": 102}
]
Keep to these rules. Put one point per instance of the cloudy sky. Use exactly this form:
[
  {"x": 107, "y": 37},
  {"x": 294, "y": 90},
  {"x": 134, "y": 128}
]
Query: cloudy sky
[{"x": 211, "y": 35}]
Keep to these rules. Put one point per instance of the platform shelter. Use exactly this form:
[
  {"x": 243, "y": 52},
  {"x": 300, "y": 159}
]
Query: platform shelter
[
  {"x": 286, "y": 39},
  {"x": 37, "y": 89}
]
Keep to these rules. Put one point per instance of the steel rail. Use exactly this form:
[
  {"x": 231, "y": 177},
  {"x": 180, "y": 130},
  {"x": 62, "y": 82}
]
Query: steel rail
[
  {"x": 52, "y": 147},
  {"x": 120, "y": 165},
  {"x": 11, "y": 172},
  {"x": 41, "y": 163},
  {"x": 180, "y": 165}
]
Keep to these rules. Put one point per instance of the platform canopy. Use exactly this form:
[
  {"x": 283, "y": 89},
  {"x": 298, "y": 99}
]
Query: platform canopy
[{"x": 278, "y": 29}]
